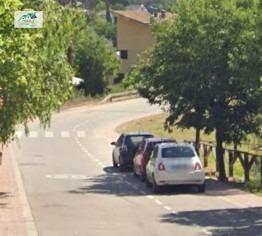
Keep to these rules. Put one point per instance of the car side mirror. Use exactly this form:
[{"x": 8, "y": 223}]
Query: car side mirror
[{"x": 113, "y": 143}]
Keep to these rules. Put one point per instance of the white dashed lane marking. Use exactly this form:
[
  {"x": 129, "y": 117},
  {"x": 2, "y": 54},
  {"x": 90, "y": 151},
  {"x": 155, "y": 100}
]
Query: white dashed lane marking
[
  {"x": 150, "y": 197},
  {"x": 68, "y": 176},
  {"x": 167, "y": 208},
  {"x": 158, "y": 202}
]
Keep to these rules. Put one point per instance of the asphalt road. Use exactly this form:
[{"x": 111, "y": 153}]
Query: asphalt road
[{"x": 73, "y": 189}]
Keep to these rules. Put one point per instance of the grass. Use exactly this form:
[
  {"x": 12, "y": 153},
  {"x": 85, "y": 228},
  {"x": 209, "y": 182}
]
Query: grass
[
  {"x": 154, "y": 124},
  {"x": 79, "y": 99}
]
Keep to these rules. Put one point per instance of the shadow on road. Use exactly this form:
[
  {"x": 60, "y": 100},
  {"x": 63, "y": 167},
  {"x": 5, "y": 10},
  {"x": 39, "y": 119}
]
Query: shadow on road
[
  {"x": 125, "y": 184},
  {"x": 4, "y": 195},
  {"x": 112, "y": 182},
  {"x": 233, "y": 222}
]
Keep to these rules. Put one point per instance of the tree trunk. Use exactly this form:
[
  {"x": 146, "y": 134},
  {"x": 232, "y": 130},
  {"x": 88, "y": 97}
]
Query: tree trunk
[
  {"x": 70, "y": 55},
  {"x": 220, "y": 164},
  {"x": 108, "y": 15},
  {"x": 197, "y": 140}
]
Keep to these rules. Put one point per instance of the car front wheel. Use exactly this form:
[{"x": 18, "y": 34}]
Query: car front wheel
[
  {"x": 114, "y": 162},
  {"x": 121, "y": 164},
  {"x": 156, "y": 188},
  {"x": 148, "y": 184},
  {"x": 202, "y": 188}
]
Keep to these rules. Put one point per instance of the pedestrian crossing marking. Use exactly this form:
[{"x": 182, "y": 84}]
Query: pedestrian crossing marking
[
  {"x": 49, "y": 134},
  {"x": 80, "y": 134},
  {"x": 18, "y": 134},
  {"x": 33, "y": 134},
  {"x": 65, "y": 134}
]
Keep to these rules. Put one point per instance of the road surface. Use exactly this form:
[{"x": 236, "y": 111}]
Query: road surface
[{"x": 73, "y": 189}]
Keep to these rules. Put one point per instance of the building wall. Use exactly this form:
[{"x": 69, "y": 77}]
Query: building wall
[{"x": 134, "y": 37}]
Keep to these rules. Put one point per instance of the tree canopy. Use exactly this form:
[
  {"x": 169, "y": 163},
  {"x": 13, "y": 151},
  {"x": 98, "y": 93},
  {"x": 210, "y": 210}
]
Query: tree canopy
[
  {"x": 206, "y": 64},
  {"x": 95, "y": 61},
  {"x": 35, "y": 78}
]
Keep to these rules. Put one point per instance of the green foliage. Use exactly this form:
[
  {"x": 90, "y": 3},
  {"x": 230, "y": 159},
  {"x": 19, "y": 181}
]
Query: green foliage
[
  {"x": 206, "y": 64},
  {"x": 96, "y": 61},
  {"x": 35, "y": 78},
  {"x": 103, "y": 28}
]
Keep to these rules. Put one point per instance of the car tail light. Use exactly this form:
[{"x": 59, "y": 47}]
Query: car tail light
[
  {"x": 198, "y": 166},
  {"x": 161, "y": 167}
]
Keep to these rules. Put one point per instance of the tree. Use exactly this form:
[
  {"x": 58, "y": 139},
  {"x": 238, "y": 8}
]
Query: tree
[
  {"x": 96, "y": 61},
  {"x": 206, "y": 64},
  {"x": 35, "y": 78}
]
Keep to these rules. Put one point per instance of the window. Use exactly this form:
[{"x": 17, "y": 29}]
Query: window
[
  {"x": 123, "y": 54},
  {"x": 115, "y": 20},
  {"x": 120, "y": 140},
  {"x": 154, "y": 154},
  {"x": 177, "y": 152}
]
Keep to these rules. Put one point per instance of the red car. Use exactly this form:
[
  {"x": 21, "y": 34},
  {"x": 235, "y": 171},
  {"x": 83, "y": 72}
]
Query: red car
[{"x": 143, "y": 154}]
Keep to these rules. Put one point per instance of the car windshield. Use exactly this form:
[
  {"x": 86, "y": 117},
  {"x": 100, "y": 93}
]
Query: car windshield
[
  {"x": 135, "y": 140},
  {"x": 177, "y": 152}
]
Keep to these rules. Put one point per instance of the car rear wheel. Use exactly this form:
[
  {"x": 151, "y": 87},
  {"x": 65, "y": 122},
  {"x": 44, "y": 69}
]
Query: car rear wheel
[
  {"x": 156, "y": 188},
  {"x": 114, "y": 162},
  {"x": 142, "y": 177},
  {"x": 202, "y": 188},
  {"x": 134, "y": 171},
  {"x": 148, "y": 184}
]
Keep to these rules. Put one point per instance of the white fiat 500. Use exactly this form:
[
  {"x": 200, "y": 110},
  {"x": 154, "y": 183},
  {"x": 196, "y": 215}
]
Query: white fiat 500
[{"x": 174, "y": 164}]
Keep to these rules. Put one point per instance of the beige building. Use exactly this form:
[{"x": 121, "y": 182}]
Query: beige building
[{"x": 133, "y": 36}]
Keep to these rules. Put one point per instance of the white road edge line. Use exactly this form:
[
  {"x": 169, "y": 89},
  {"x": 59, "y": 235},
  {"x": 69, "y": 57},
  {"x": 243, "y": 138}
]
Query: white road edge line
[{"x": 232, "y": 202}]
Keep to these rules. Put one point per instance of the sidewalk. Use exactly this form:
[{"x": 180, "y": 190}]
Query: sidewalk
[{"x": 15, "y": 215}]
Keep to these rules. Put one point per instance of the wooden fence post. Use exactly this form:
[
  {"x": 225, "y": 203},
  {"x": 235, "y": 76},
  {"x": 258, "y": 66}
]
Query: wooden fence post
[
  {"x": 230, "y": 163},
  {"x": 261, "y": 170},
  {"x": 246, "y": 167},
  {"x": 205, "y": 155}
]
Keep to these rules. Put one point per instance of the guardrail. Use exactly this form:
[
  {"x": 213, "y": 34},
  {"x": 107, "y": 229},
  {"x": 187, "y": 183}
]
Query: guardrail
[
  {"x": 120, "y": 96},
  {"x": 246, "y": 159}
]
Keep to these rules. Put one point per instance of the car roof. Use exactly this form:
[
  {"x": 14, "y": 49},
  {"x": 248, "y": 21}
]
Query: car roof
[
  {"x": 166, "y": 145},
  {"x": 137, "y": 133},
  {"x": 157, "y": 139}
]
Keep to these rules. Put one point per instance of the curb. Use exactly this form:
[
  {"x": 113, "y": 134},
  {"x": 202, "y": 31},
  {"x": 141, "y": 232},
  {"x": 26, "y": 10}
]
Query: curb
[
  {"x": 30, "y": 224},
  {"x": 120, "y": 96}
]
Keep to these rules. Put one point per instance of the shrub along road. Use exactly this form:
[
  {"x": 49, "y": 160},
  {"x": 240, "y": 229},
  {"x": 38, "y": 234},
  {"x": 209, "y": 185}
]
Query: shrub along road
[{"x": 73, "y": 190}]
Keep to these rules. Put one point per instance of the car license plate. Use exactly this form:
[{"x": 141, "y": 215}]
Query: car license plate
[{"x": 179, "y": 167}]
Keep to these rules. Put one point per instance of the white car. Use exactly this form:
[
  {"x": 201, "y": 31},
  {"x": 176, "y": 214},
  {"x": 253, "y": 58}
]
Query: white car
[{"x": 174, "y": 164}]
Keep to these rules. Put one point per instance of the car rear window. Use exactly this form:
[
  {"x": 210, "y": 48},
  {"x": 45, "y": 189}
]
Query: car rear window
[
  {"x": 177, "y": 152},
  {"x": 150, "y": 146}
]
